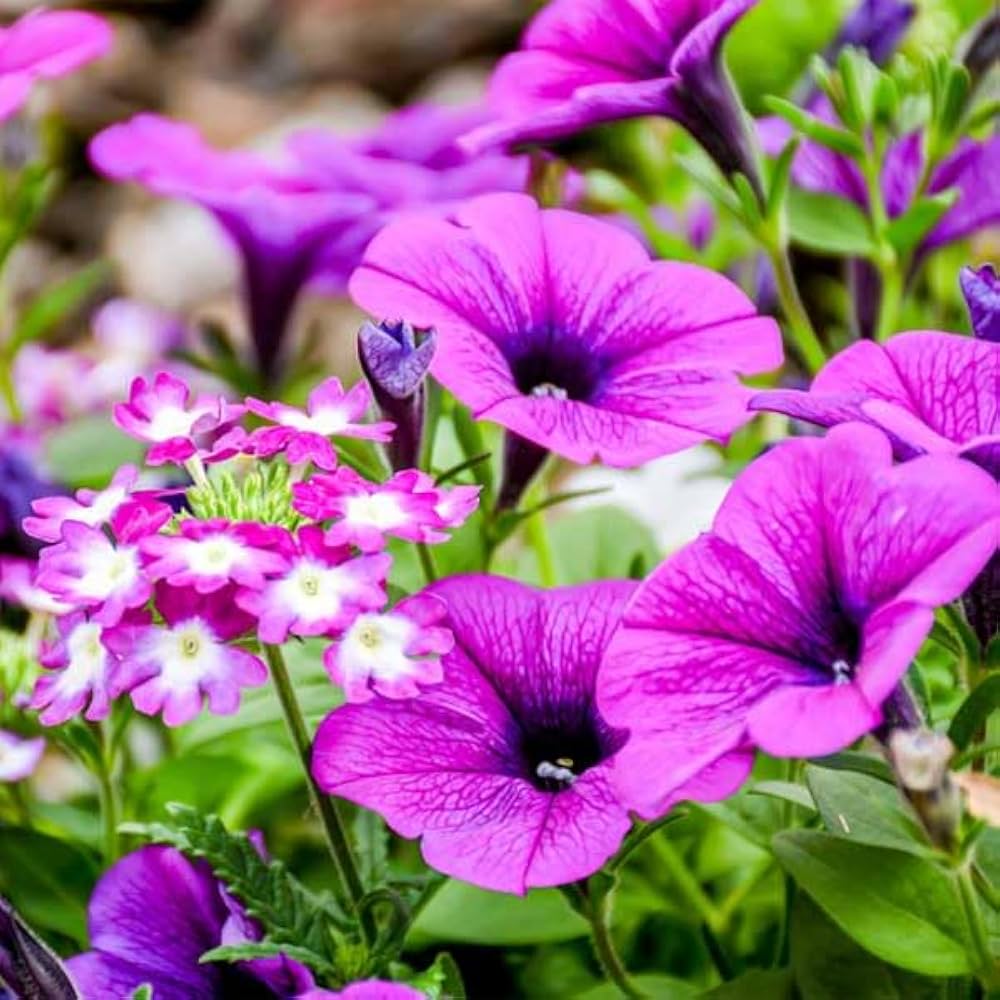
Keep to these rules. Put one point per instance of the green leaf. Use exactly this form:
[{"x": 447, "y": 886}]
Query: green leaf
[
  {"x": 865, "y": 810},
  {"x": 901, "y": 908},
  {"x": 862, "y": 763},
  {"x": 599, "y": 543},
  {"x": 290, "y": 914},
  {"x": 757, "y": 984},
  {"x": 652, "y": 986},
  {"x": 144, "y": 992},
  {"x": 908, "y": 229},
  {"x": 48, "y": 880},
  {"x": 828, "y": 225},
  {"x": 830, "y": 136},
  {"x": 777, "y": 188},
  {"x": 786, "y": 791},
  {"x": 54, "y": 304},
  {"x": 442, "y": 981},
  {"x": 828, "y": 965},
  {"x": 981, "y": 703},
  {"x": 88, "y": 452},
  {"x": 248, "y": 951},
  {"x": 465, "y": 914}
]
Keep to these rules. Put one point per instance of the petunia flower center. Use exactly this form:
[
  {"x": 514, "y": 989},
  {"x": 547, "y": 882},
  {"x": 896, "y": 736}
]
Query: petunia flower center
[
  {"x": 559, "y": 370},
  {"x": 554, "y": 757}
]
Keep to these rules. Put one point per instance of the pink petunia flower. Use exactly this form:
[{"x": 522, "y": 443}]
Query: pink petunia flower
[
  {"x": 207, "y": 555},
  {"x": 406, "y": 506},
  {"x": 44, "y": 45},
  {"x": 321, "y": 591},
  {"x": 80, "y": 666},
  {"x": 91, "y": 507},
  {"x": 391, "y": 654},
  {"x": 304, "y": 435},
  {"x": 164, "y": 415},
  {"x": 89, "y": 571},
  {"x": 173, "y": 668},
  {"x": 19, "y": 756}
]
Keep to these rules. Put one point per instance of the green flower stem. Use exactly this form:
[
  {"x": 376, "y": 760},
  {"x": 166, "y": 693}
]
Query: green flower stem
[
  {"x": 8, "y": 391},
  {"x": 987, "y": 967},
  {"x": 350, "y": 889},
  {"x": 427, "y": 562},
  {"x": 891, "y": 273},
  {"x": 596, "y": 913},
  {"x": 108, "y": 804},
  {"x": 538, "y": 536},
  {"x": 800, "y": 327},
  {"x": 687, "y": 885}
]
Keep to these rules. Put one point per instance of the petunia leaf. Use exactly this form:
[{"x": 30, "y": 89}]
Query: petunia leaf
[
  {"x": 828, "y": 225},
  {"x": 901, "y": 908},
  {"x": 981, "y": 703},
  {"x": 864, "y": 810},
  {"x": 756, "y": 984},
  {"x": 828, "y": 965}
]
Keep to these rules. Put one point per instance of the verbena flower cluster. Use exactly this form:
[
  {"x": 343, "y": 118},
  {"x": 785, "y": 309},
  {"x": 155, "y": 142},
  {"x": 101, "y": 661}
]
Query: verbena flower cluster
[{"x": 532, "y": 726}]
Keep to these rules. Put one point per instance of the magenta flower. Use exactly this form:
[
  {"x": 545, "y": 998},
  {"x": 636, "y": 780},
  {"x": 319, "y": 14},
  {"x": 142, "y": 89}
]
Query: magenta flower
[
  {"x": 19, "y": 756},
  {"x": 171, "y": 669},
  {"x": 305, "y": 436},
  {"x": 411, "y": 161},
  {"x": 279, "y": 224},
  {"x": 794, "y": 618},
  {"x": 321, "y": 590},
  {"x": 931, "y": 392},
  {"x": 368, "y": 989},
  {"x": 560, "y": 328},
  {"x": 981, "y": 288},
  {"x": 165, "y": 415},
  {"x": 19, "y": 585},
  {"x": 87, "y": 570},
  {"x": 91, "y": 507},
  {"x": 208, "y": 555},
  {"x": 407, "y": 506},
  {"x": 391, "y": 654},
  {"x": 503, "y": 767},
  {"x": 586, "y": 63},
  {"x": 80, "y": 668},
  {"x": 44, "y": 45},
  {"x": 151, "y": 918}
]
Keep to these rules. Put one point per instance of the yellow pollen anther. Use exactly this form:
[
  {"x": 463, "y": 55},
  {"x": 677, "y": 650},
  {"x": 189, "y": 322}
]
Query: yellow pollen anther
[
  {"x": 369, "y": 636},
  {"x": 564, "y": 761}
]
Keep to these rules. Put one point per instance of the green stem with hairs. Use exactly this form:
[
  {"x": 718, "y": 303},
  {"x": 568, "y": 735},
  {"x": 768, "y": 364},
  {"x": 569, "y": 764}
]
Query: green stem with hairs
[
  {"x": 351, "y": 891},
  {"x": 596, "y": 913},
  {"x": 987, "y": 968},
  {"x": 800, "y": 328}
]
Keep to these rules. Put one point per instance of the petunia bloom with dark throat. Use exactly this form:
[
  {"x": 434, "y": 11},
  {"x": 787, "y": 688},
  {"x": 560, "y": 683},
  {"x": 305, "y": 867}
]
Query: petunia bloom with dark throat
[
  {"x": 560, "y": 328},
  {"x": 791, "y": 622},
  {"x": 503, "y": 767},
  {"x": 587, "y": 62}
]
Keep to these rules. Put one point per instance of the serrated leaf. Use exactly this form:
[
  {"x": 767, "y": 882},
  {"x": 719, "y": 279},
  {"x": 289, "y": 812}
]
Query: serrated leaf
[
  {"x": 865, "y": 810},
  {"x": 828, "y": 225},
  {"x": 907, "y": 230},
  {"x": 248, "y": 951},
  {"x": 901, "y": 908},
  {"x": 830, "y": 136}
]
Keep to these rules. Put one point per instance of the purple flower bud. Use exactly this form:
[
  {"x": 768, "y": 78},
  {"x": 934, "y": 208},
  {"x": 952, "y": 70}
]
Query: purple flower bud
[
  {"x": 875, "y": 26},
  {"x": 521, "y": 461},
  {"x": 27, "y": 966},
  {"x": 395, "y": 359},
  {"x": 983, "y": 51},
  {"x": 981, "y": 603},
  {"x": 981, "y": 288}
]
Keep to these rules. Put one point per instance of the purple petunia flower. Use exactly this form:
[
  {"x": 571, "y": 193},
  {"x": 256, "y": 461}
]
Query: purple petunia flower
[
  {"x": 173, "y": 668},
  {"x": 209, "y": 555},
  {"x": 981, "y": 288},
  {"x": 279, "y": 223},
  {"x": 877, "y": 26},
  {"x": 79, "y": 676},
  {"x": 164, "y": 414},
  {"x": 368, "y": 989},
  {"x": 151, "y": 918},
  {"x": 560, "y": 328},
  {"x": 503, "y": 767},
  {"x": 794, "y": 618},
  {"x": 586, "y": 62},
  {"x": 321, "y": 591},
  {"x": 44, "y": 45},
  {"x": 411, "y": 161},
  {"x": 931, "y": 392},
  {"x": 393, "y": 653},
  {"x": 304, "y": 436},
  {"x": 18, "y": 756}
]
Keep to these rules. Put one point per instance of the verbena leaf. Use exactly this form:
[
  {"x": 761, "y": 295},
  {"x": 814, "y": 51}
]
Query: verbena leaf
[
  {"x": 908, "y": 229},
  {"x": 249, "y": 950},
  {"x": 290, "y": 914},
  {"x": 144, "y": 992},
  {"x": 442, "y": 981},
  {"x": 865, "y": 810},
  {"x": 828, "y": 965},
  {"x": 757, "y": 984},
  {"x": 55, "y": 303},
  {"x": 901, "y": 908},
  {"x": 828, "y": 225},
  {"x": 830, "y": 136}
]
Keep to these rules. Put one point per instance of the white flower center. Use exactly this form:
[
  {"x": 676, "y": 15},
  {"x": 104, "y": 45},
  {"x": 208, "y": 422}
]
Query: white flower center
[
  {"x": 313, "y": 590},
  {"x": 87, "y": 656},
  {"x": 171, "y": 422},
  {"x": 327, "y": 421},
  {"x": 214, "y": 556},
  {"x": 380, "y": 510},
  {"x": 187, "y": 654},
  {"x": 375, "y": 645},
  {"x": 106, "y": 569}
]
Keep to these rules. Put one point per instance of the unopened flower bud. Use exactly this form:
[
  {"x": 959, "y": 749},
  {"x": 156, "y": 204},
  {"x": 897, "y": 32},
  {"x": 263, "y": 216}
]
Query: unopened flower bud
[
  {"x": 981, "y": 288},
  {"x": 395, "y": 359},
  {"x": 920, "y": 759},
  {"x": 27, "y": 966}
]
